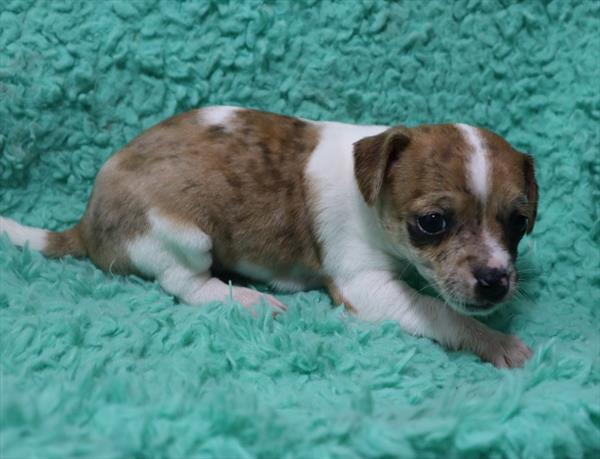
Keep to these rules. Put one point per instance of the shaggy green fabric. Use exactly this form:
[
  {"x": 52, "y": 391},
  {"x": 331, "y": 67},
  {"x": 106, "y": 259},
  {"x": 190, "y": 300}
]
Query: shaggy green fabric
[{"x": 99, "y": 366}]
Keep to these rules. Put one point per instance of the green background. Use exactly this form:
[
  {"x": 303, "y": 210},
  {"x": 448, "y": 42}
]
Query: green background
[{"x": 109, "y": 367}]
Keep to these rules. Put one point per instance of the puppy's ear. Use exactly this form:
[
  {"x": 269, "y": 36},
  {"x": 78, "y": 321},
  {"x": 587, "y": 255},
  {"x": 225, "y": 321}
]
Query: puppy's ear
[
  {"x": 373, "y": 158},
  {"x": 531, "y": 188}
]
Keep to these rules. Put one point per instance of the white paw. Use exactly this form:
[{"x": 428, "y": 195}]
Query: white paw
[
  {"x": 249, "y": 298},
  {"x": 505, "y": 351},
  {"x": 277, "y": 306}
]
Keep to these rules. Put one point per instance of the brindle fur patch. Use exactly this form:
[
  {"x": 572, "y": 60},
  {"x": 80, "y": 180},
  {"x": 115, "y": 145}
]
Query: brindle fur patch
[{"x": 243, "y": 186}]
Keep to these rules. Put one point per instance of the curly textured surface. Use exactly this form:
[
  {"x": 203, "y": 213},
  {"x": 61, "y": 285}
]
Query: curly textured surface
[{"x": 99, "y": 366}]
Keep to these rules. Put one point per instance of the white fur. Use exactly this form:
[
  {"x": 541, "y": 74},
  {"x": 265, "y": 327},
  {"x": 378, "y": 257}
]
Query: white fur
[
  {"x": 219, "y": 115},
  {"x": 179, "y": 257},
  {"x": 478, "y": 168},
  {"x": 344, "y": 223},
  {"x": 188, "y": 243},
  {"x": 498, "y": 256},
  {"x": 19, "y": 235}
]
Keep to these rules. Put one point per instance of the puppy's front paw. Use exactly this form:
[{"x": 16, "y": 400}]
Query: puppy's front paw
[{"x": 505, "y": 351}]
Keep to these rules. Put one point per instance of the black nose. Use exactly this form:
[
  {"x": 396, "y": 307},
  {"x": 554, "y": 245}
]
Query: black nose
[{"x": 492, "y": 283}]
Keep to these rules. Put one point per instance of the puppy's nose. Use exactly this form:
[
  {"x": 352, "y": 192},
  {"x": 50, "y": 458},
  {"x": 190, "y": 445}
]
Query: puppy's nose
[{"x": 492, "y": 283}]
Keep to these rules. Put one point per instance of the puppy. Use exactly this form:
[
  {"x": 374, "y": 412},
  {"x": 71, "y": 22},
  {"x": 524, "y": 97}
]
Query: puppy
[{"x": 301, "y": 204}]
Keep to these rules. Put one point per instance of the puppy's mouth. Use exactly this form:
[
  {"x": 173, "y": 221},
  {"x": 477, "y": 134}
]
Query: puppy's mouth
[
  {"x": 452, "y": 292},
  {"x": 463, "y": 295},
  {"x": 481, "y": 308},
  {"x": 469, "y": 306}
]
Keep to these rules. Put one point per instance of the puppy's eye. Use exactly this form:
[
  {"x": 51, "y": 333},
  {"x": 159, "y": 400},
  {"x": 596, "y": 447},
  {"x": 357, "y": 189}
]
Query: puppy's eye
[
  {"x": 518, "y": 223},
  {"x": 432, "y": 224}
]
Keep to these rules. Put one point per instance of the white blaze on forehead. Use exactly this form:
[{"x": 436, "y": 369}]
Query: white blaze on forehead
[
  {"x": 216, "y": 116},
  {"x": 478, "y": 167},
  {"x": 478, "y": 181}
]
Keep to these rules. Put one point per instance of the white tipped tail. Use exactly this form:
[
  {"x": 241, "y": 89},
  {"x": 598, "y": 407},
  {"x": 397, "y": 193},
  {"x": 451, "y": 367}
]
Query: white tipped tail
[
  {"x": 50, "y": 243},
  {"x": 20, "y": 235}
]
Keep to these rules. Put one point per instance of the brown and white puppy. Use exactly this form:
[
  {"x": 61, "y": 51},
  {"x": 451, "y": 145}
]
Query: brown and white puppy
[{"x": 299, "y": 204}]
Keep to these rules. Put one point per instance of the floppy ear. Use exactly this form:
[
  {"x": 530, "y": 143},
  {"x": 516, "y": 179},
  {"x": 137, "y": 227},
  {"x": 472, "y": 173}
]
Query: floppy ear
[
  {"x": 531, "y": 188},
  {"x": 373, "y": 158}
]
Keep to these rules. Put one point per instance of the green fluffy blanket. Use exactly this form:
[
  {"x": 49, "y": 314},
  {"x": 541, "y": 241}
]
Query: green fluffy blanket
[{"x": 99, "y": 366}]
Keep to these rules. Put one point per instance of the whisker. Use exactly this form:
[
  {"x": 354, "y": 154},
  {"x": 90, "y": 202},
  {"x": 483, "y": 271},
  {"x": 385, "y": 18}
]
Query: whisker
[
  {"x": 524, "y": 294},
  {"x": 428, "y": 285}
]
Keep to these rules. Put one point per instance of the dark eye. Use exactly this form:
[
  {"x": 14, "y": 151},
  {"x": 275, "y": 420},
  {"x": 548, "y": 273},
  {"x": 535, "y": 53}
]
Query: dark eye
[
  {"x": 518, "y": 223},
  {"x": 432, "y": 224}
]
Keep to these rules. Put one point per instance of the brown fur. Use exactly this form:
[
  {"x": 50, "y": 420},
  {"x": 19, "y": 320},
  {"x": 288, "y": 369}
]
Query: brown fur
[
  {"x": 234, "y": 182},
  {"x": 532, "y": 190},
  {"x": 373, "y": 157},
  {"x": 513, "y": 179},
  {"x": 65, "y": 242}
]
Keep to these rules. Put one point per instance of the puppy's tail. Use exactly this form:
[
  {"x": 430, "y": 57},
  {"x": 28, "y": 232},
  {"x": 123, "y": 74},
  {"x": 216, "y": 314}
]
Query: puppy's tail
[{"x": 50, "y": 243}]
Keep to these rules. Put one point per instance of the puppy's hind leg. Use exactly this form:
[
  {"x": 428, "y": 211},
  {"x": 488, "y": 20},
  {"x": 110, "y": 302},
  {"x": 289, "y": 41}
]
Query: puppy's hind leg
[
  {"x": 178, "y": 256},
  {"x": 200, "y": 288}
]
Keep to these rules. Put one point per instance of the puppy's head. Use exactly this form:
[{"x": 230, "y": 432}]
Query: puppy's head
[{"x": 455, "y": 200}]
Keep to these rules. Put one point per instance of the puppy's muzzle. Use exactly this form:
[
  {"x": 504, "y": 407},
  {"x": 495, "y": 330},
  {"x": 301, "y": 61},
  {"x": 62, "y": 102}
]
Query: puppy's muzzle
[{"x": 492, "y": 284}]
